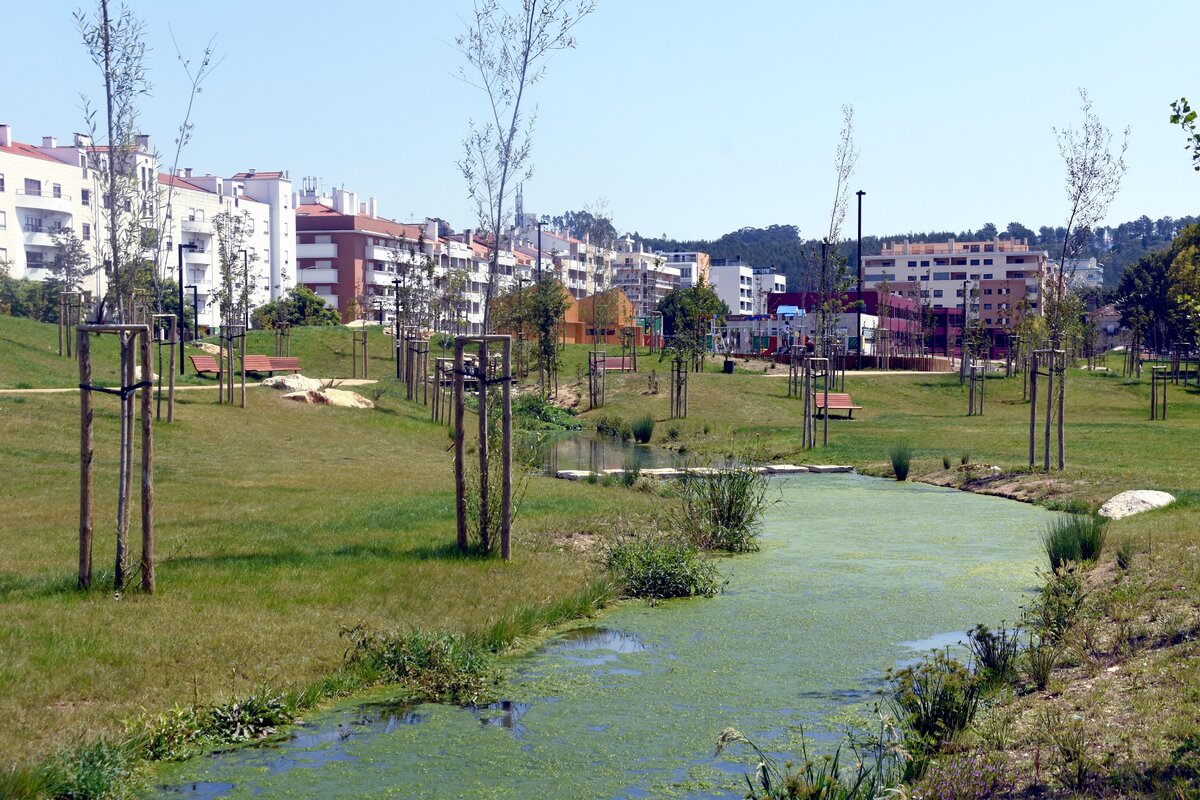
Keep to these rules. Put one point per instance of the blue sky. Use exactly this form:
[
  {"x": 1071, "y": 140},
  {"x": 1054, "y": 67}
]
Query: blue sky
[{"x": 689, "y": 118}]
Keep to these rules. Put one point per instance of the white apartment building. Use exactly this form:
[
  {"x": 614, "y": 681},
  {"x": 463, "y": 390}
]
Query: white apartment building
[
  {"x": 998, "y": 275},
  {"x": 693, "y": 267},
  {"x": 734, "y": 284},
  {"x": 194, "y": 204},
  {"x": 1081, "y": 273},
  {"x": 766, "y": 281},
  {"x": 644, "y": 276}
]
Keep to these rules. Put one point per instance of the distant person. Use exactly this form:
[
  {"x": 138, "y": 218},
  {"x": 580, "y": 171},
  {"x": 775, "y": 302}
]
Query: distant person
[{"x": 810, "y": 346}]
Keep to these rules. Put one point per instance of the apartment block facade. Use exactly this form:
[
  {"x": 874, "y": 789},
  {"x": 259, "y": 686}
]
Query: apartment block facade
[{"x": 643, "y": 275}]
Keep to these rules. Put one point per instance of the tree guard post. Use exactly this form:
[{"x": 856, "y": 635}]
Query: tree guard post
[
  {"x": 485, "y": 540},
  {"x": 148, "y": 465},
  {"x": 83, "y": 349},
  {"x": 460, "y": 483},
  {"x": 506, "y": 491}
]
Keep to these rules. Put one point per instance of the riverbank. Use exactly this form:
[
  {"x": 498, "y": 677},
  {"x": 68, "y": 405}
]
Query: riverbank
[{"x": 1123, "y": 706}]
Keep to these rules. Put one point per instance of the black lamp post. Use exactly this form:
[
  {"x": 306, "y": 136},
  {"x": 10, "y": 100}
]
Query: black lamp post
[
  {"x": 245, "y": 288},
  {"x": 860, "y": 194},
  {"x": 195, "y": 312},
  {"x": 539, "y": 224},
  {"x": 396, "y": 324},
  {"x": 182, "y": 247}
]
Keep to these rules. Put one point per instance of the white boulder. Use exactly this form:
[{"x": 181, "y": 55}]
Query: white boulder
[
  {"x": 331, "y": 397},
  {"x": 1135, "y": 501},
  {"x": 293, "y": 383}
]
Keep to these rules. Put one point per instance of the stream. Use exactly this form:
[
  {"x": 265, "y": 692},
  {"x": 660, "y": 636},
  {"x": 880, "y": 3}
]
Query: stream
[{"x": 856, "y": 575}]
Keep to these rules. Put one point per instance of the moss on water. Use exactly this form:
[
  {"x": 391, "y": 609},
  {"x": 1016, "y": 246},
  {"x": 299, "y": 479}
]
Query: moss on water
[{"x": 851, "y": 569}]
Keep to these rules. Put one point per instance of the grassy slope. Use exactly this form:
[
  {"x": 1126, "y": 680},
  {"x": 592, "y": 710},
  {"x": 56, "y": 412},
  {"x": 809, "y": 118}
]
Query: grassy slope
[{"x": 276, "y": 526}]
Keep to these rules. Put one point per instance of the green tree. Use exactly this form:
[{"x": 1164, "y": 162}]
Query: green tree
[
  {"x": 71, "y": 262},
  {"x": 1184, "y": 116},
  {"x": 301, "y": 306},
  {"x": 235, "y": 265},
  {"x": 686, "y": 316}
]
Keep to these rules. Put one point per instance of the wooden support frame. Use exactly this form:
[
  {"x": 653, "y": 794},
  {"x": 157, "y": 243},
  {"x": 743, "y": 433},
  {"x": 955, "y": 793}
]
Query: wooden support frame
[
  {"x": 225, "y": 360},
  {"x": 977, "y": 381},
  {"x": 130, "y": 335},
  {"x": 629, "y": 334},
  {"x": 1049, "y": 364},
  {"x": 358, "y": 352},
  {"x": 70, "y": 314},
  {"x": 597, "y": 378},
  {"x": 679, "y": 387},
  {"x": 816, "y": 369},
  {"x": 172, "y": 341},
  {"x": 443, "y": 382},
  {"x": 283, "y": 340},
  {"x": 485, "y": 375},
  {"x": 1160, "y": 376},
  {"x": 416, "y": 377}
]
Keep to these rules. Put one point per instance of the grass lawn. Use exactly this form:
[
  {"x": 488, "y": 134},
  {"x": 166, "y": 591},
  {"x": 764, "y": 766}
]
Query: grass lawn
[{"x": 276, "y": 526}]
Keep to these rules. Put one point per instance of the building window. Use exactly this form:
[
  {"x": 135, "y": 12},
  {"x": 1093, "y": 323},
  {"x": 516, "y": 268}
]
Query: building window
[
  {"x": 974, "y": 262},
  {"x": 937, "y": 292},
  {"x": 3, "y": 221},
  {"x": 987, "y": 262},
  {"x": 912, "y": 263},
  {"x": 941, "y": 276},
  {"x": 912, "y": 278},
  {"x": 1, "y": 181},
  {"x": 57, "y": 188},
  {"x": 987, "y": 276},
  {"x": 924, "y": 263},
  {"x": 85, "y": 196},
  {"x": 87, "y": 232},
  {"x": 987, "y": 306}
]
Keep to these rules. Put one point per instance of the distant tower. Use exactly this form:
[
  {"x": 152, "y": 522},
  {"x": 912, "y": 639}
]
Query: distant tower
[{"x": 520, "y": 212}]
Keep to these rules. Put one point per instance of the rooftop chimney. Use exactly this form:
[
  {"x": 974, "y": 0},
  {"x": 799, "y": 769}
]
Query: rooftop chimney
[
  {"x": 5, "y": 135},
  {"x": 83, "y": 140},
  {"x": 49, "y": 142},
  {"x": 187, "y": 172},
  {"x": 143, "y": 140},
  {"x": 372, "y": 208},
  {"x": 468, "y": 237}
]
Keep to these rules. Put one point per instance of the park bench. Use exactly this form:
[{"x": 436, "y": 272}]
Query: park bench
[
  {"x": 205, "y": 365},
  {"x": 618, "y": 363},
  {"x": 838, "y": 401},
  {"x": 284, "y": 363}
]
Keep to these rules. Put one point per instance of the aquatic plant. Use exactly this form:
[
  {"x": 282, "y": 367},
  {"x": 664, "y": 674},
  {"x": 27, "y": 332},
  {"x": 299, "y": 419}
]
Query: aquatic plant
[
  {"x": 673, "y": 433},
  {"x": 934, "y": 700},
  {"x": 252, "y": 717},
  {"x": 965, "y": 459},
  {"x": 995, "y": 652},
  {"x": 631, "y": 470},
  {"x": 1074, "y": 537},
  {"x": 901, "y": 456},
  {"x": 1038, "y": 662},
  {"x": 642, "y": 429},
  {"x": 660, "y": 567},
  {"x": 1053, "y": 610},
  {"x": 722, "y": 509},
  {"x": 945, "y": 461},
  {"x": 531, "y": 412},
  {"x": 875, "y": 771}
]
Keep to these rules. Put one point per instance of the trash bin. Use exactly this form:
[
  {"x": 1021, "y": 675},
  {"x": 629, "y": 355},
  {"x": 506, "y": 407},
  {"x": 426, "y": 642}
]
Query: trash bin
[{"x": 728, "y": 366}]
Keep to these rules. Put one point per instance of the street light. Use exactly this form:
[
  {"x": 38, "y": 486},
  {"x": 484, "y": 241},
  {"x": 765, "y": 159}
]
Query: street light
[
  {"x": 245, "y": 288},
  {"x": 542, "y": 221},
  {"x": 195, "y": 313},
  {"x": 860, "y": 194},
  {"x": 182, "y": 247}
]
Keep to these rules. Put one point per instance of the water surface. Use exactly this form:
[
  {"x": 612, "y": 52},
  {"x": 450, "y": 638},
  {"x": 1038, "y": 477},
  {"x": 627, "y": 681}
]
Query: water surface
[{"x": 855, "y": 575}]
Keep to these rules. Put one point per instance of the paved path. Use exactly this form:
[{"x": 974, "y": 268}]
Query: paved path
[{"x": 339, "y": 382}]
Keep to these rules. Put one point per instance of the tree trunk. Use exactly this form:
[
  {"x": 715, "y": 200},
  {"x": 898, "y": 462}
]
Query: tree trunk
[
  {"x": 83, "y": 348},
  {"x": 147, "y": 472}
]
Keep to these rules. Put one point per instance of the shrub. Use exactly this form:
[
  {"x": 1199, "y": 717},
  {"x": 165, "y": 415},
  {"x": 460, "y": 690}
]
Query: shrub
[
  {"x": 1054, "y": 608},
  {"x": 1074, "y": 537},
  {"x": 934, "y": 700},
  {"x": 673, "y": 432},
  {"x": 722, "y": 509},
  {"x": 642, "y": 429},
  {"x": 631, "y": 470},
  {"x": 441, "y": 667},
  {"x": 253, "y": 717},
  {"x": 532, "y": 413},
  {"x": 658, "y": 567},
  {"x": 945, "y": 461},
  {"x": 995, "y": 652},
  {"x": 965, "y": 459},
  {"x": 94, "y": 769},
  {"x": 1038, "y": 662},
  {"x": 612, "y": 425},
  {"x": 901, "y": 456}
]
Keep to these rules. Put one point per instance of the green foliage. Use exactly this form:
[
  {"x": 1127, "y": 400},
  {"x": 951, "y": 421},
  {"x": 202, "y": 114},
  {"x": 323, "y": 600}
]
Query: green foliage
[
  {"x": 436, "y": 667},
  {"x": 631, "y": 470},
  {"x": 946, "y": 461},
  {"x": 642, "y": 428},
  {"x": 91, "y": 771},
  {"x": 533, "y": 413},
  {"x": 660, "y": 567},
  {"x": 673, "y": 432},
  {"x": 934, "y": 700},
  {"x": 1074, "y": 538},
  {"x": 686, "y": 315},
  {"x": 1054, "y": 609},
  {"x": 876, "y": 770},
  {"x": 901, "y": 456},
  {"x": 253, "y": 717},
  {"x": 1038, "y": 661},
  {"x": 995, "y": 652},
  {"x": 612, "y": 425},
  {"x": 1184, "y": 116},
  {"x": 300, "y": 307},
  {"x": 21, "y": 297},
  {"x": 722, "y": 509}
]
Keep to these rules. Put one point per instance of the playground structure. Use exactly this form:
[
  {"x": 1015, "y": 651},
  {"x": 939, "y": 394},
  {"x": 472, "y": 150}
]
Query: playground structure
[
  {"x": 503, "y": 376},
  {"x": 131, "y": 337}
]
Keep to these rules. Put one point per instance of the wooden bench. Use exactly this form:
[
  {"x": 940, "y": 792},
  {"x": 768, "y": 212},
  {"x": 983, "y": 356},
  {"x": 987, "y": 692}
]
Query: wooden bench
[
  {"x": 617, "y": 363},
  {"x": 284, "y": 363},
  {"x": 838, "y": 401},
  {"x": 256, "y": 364},
  {"x": 205, "y": 365}
]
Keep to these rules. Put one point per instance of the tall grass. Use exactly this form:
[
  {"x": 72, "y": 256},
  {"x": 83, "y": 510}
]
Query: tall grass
[
  {"x": 660, "y": 567},
  {"x": 901, "y": 456},
  {"x": 1075, "y": 537},
  {"x": 722, "y": 509},
  {"x": 642, "y": 428}
]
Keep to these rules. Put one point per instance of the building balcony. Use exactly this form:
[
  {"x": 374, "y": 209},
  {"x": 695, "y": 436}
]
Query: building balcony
[
  {"x": 44, "y": 200},
  {"x": 330, "y": 300},
  {"x": 313, "y": 276},
  {"x": 321, "y": 250},
  {"x": 196, "y": 226},
  {"x": 375, "y": 277},
  {"x": 38, "y": 236},
  {"x": 201, "y": 257}
]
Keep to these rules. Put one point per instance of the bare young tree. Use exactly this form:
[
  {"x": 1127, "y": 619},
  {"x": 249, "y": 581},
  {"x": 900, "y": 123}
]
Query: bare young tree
[
  {"x": 1093, "y": 178},
  {"x": 844, "y": 161},
  {"x": 116, "y": 45},
  {"x": 506, "y": 53}
]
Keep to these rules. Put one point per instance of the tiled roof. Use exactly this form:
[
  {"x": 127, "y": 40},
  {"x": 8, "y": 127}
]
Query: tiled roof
[
  {"x": 20, "y": 149},
  {"x": 167, "y": 179},
  {"x": 315, "y": 210},
  {"x": 250, "y": 176}
]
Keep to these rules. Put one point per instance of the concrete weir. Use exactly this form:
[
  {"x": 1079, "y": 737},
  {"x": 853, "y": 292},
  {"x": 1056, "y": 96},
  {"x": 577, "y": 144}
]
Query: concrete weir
[{"x": 669, "y": 473}]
